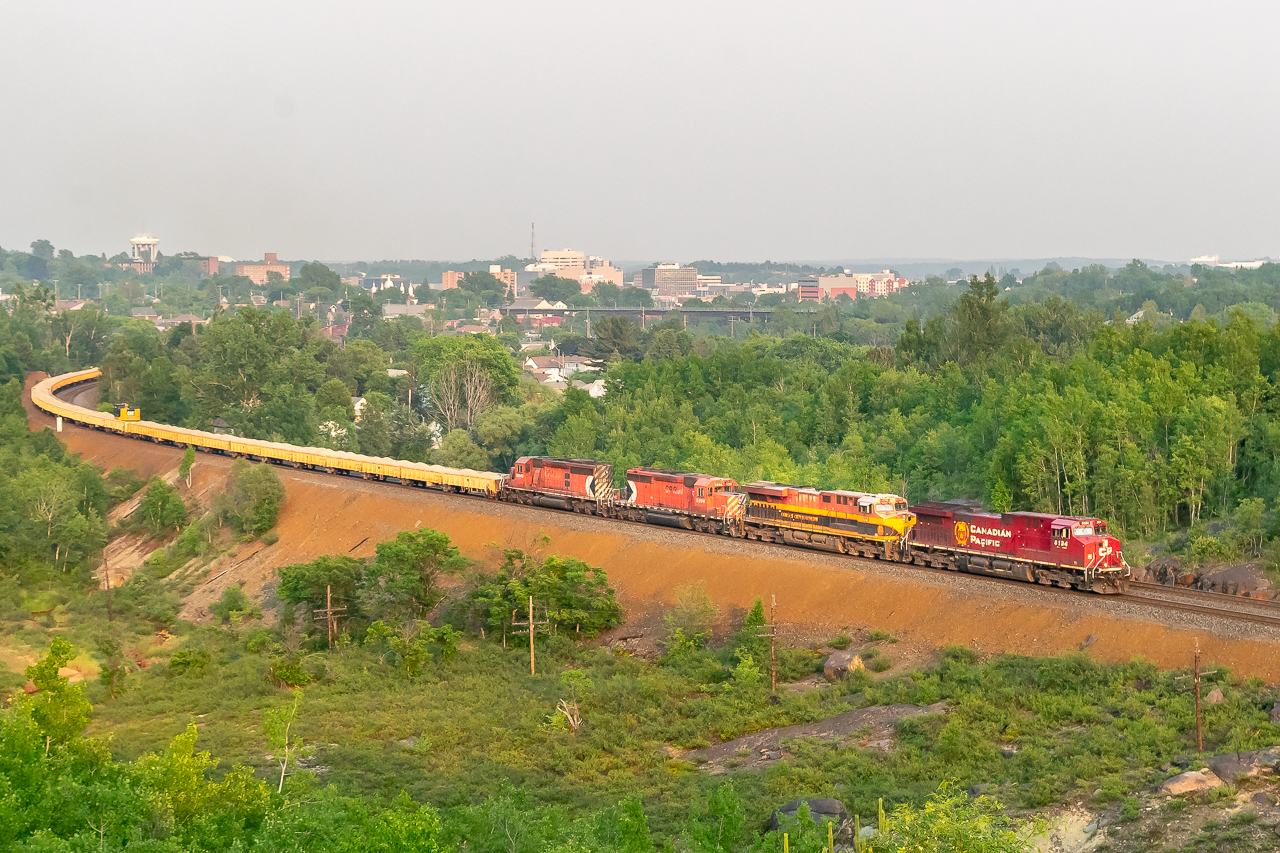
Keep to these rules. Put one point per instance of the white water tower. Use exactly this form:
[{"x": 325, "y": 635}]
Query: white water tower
[{"x": 145, "y": 247}]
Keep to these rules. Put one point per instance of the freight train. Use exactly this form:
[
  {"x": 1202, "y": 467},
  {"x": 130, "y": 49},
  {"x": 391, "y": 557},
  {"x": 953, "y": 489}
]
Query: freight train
[{"x": 1055, "y": 550}]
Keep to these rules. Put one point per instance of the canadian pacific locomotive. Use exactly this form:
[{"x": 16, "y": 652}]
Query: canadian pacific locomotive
[
  {"x": 1046, "y": 549},
  {"x": 1036, "y": 547}
]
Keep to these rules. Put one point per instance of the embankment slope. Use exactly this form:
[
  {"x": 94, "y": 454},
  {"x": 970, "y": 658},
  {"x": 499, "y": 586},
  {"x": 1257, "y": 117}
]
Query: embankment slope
[{"x": 819, "y": 595}]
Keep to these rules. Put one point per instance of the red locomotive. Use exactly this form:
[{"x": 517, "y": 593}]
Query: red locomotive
[
  {"x": 581, "y": 485},
  {"x": 691, "y": 501},
  {"x": 1029, "y": 546}
]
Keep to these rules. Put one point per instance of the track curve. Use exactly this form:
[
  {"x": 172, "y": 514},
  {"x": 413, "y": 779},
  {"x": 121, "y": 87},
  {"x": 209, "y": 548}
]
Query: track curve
[{"x": 52, "y": 396}]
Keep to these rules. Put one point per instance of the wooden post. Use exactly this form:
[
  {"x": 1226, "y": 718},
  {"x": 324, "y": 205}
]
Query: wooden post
[
  {"x": 531, "y": 626},
  {"x": 330, "y": 613},
  {"x": 1195, "y": 682}
]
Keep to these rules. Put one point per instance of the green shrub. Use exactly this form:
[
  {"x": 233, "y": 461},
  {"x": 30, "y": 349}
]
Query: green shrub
[
  {"x": 876, "y": 635},
  {"x": 189, "y": 660},
  {"x": 1129, "y": 811},
  {"x": 842, "y": 642},
  {"x": 162, "y": 508},
  {"x": 234, "y": 603},
  {"x": 270, "y": 538},
  {"x": 252, "y": 500},
  {"x": 576, "y": 598}
]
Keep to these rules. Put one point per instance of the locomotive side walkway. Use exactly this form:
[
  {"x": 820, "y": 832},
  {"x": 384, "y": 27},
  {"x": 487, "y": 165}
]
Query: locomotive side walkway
[{"x": 819, "y": 595}]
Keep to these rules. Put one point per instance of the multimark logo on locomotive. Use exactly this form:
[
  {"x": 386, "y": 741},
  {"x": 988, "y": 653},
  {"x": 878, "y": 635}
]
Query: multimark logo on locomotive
[{"x": 981, "y": 537}]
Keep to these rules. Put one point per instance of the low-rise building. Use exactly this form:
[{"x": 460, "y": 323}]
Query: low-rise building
[
  {"x": 257, "y": 273},
  {"x": 854, "y": 285}
]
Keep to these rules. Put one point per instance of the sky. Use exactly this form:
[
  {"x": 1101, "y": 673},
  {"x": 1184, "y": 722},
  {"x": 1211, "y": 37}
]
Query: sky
[{"x": 643, "y": 131}]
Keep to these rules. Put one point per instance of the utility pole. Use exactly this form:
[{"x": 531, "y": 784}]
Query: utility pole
[
  {"x": 330, "y": 613},
  {"x": 731, "y": 318},
  {"x": 772, "y": 634},
  {"x": 1195, "y": 681},
  {"x": 530, "y": 628}
]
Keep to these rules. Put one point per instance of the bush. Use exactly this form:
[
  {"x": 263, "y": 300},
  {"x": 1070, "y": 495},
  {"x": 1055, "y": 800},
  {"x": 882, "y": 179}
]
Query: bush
[
  {"x": 162, "y": 508},
  {"x": 842, "y": 642},
  {"x": 252, "y": 501},
  {"x": 574, "y": 596},
  {"x": 122, "y": 484},
  {"x": 270, "y": 538},
  {"x": 232, "y": 604},
  {"x": 689, "y": 623}
]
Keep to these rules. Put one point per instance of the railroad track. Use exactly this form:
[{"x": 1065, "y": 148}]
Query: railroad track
[{"x": 1200, "y": 602}]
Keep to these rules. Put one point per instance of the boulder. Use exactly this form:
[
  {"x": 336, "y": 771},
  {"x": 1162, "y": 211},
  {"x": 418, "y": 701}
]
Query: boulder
[
  {"x": 1191, "y": 782},
  {"x": 1275, "y": 713},
  {"x": 1214, "y": 697},
  {"x": 840, "y": 664},
  {"x": 821, "y": 812},
  {"x": 1231, "y": 767}
]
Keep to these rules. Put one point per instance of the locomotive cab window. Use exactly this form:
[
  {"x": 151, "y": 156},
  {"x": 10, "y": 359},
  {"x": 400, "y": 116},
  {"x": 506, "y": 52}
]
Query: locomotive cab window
[
  {"x": 701, "y": 492},
  {"x": 826, "y": 499}
]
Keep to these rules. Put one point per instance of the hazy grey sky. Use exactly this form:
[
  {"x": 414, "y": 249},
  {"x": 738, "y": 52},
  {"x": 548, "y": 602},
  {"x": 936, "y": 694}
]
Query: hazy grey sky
[{"x": 644, "y": 130}]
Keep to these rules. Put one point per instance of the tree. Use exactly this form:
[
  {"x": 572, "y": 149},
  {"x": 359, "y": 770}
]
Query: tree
[
  {"x": 465, "y": 375},
  {"x": 335, "y": 397},
  {"x": 278, "y": 724},
  {"x": 188, "y": 459},
  {"x": 313, "y": 583},
  {"x": 457, "y": 450},
  {"x": 690, "y": 621},
  {"x": 499, "y": 430},
  {"x": 575, "y": 597},
  {"x": 406, "y": 573},
  {"x": 485, "y": 286},
  {"x": 555, "y": 289},
  {"x": 980, "y": 320},
  {"x": 374, "y": 432},
  {"x": 42, "y": 249},
  {"x": 615, "y": 334},
  {"x": 58, "y": 707},
  {"x": 316, "y": 276},
  {"x": 254, "y": 495},
  {"x": 162, "y": 508}
]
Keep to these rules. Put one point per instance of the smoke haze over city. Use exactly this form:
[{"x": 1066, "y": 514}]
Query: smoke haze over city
[{"x": 653, "y": 130}]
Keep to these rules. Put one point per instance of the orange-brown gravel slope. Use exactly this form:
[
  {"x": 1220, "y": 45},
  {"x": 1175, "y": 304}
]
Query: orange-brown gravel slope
[{"x": 819, "y": 595}]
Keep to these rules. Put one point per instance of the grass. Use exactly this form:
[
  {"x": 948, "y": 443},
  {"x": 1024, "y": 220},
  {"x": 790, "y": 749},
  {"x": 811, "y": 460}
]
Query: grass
[{"x": 479, "y": 718}]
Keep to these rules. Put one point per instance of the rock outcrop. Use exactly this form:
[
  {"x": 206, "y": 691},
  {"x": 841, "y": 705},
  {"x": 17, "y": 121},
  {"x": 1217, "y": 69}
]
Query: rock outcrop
[
  {"x": 1191, "y": 782},
  {"x": 840, "y": 664}
]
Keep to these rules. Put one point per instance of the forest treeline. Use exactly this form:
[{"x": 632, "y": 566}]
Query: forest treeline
[{"x": 1154, "y": 422}]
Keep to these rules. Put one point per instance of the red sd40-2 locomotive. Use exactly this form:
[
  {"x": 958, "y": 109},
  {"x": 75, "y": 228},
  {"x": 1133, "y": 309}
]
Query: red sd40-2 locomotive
[{"x": 1027, "y": 546}]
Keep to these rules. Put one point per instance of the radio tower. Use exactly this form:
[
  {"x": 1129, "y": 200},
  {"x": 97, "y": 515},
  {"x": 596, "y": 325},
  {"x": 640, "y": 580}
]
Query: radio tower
[{"x": 533, "y": 253}]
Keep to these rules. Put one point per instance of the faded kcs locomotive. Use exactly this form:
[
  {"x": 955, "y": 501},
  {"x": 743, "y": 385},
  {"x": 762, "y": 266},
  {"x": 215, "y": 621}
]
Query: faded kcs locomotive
[
  {"x": 1028, "y": 546},
  {"x": 581, "y": 485}
]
